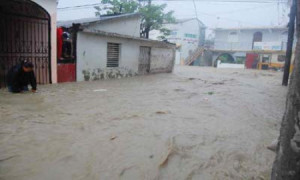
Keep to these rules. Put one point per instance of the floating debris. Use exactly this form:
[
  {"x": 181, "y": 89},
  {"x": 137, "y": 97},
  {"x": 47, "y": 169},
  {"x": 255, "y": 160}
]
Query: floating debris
[
  {"x": 113, "y": 138},
  {"x": 211, "y": 93},
  {"x": 100, "y": 90},
  {"x": 162, "y": 112}
]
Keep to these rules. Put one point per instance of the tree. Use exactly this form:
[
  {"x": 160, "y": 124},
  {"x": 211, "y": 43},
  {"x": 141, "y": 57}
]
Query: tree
[
  {"x": 287, "y": 162},
  {"x": 164, "y": 33},
  {"x": 153, "y": 16},
  {"x": 118, "y": 7},
  {"x": 289, "y": 51}
]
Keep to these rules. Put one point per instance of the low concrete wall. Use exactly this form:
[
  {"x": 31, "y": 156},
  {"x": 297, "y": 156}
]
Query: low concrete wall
[
  {"x": 227, "y": 65},
  {"x": 128, "y": 26},
  {"x": 162, "y": 60}
]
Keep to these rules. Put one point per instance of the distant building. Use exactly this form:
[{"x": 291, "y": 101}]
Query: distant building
[
  {"x": 28, "y": 32},
  {"x": 257, "y": 47},
  {"x": 110, "y": 47},
  {"x": 187, "y": 34}
]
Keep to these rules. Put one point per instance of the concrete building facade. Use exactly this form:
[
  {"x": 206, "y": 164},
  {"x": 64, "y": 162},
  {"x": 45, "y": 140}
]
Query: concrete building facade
[
  {"x": 187, "y": 34},
  {"x": 92, "y": 56},
  {"x": 266, "y": 44},
  {"x": 243, "y": 39},
  {"x": 110, "y": 47},
  {"x": 126, "y": 24}
]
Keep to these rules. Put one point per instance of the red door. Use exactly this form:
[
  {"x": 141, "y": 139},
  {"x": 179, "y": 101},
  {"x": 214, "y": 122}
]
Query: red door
[
  {"x": 251, "y": 60},
  {"x": 66, "y": 72}
]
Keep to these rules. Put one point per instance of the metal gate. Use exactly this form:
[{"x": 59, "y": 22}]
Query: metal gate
[
  {"x": 144, "y": 60},
  {"x": 24, "y": 35}
]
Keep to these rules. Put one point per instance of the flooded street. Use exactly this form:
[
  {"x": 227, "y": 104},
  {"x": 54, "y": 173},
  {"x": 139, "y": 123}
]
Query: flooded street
[{"x": 197, "y": 123}]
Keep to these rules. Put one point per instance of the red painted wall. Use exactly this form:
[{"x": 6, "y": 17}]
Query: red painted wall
[{"x": 66, "y": 73}]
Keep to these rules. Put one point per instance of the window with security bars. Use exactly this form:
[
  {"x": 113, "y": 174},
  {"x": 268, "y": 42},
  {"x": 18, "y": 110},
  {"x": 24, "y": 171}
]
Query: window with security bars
[{"x": 113, "y": 55}]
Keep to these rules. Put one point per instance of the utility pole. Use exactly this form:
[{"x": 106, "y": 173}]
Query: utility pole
[{"x": 290, "y": 42}]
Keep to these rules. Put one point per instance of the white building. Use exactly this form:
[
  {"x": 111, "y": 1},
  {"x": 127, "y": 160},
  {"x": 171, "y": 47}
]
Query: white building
[
  {"x": 246, "y": 39},
  {"x": 28, "y": 32},
  {"x": 111, "y": 47},
  {"x": 187, "y": 34},
  {"x": 253, "y": 45}
]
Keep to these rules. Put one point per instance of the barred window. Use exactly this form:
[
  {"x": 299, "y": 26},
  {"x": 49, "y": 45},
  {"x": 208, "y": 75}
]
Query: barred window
[{"x": 113, "y": 55}]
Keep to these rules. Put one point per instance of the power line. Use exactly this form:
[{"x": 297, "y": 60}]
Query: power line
[
  {"x": 80, "y": 6},
  {"x": 232, "y": 1},
  {"x": 228, "y": 19},
  {"x": 234, "y": 11},
  {"x": 216, "y": 15},
  {"x": 195, "y": 9},
  {"x": 214, "y": 1},
  {"x": 244, "y": 9},
  {"x": 196, "y": 12}
]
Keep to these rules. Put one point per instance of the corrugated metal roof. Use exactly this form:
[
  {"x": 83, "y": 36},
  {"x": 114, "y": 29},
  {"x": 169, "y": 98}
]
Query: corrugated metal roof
[{"x": 85, "y": 21}]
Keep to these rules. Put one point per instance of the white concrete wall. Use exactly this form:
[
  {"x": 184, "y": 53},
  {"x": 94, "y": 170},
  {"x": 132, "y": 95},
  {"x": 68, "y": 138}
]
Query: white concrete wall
[
  {"x": 187, "y": 44},
  {"x": 162, "y": 59},
  {"x": 128, "y": 26},
  {"x": 274, "y": 58},
  {"x": 177, "y": 59},
  {"x": 92, "y": 57},
  {"x": 50, "y": 7},
  {"x": 227, "y": 65},
  {"x": 245, "y": 38}
]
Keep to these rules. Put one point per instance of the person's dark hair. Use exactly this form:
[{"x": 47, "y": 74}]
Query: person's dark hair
[
  {"x": 66, "y": 35},
  {"x": 27, "y": 64}
]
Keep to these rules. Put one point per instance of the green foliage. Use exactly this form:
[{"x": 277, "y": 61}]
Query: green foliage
[
  {"x": 153, "y": 16},
  {"x": 165, "y": 32},
  {"x": 240, "y": 60},
  {"x": 226, "y": 58},
  {"x": 98, "y": 12},
  {"x": 119, "y": 6},
  {"x": 210, "y": 93}
]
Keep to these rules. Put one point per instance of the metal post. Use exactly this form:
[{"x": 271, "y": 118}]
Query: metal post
[{"x": 289, "y": 50}]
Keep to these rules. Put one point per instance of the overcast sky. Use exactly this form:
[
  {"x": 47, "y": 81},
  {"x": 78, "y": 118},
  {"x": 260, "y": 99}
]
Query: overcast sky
[{"x": 212, "y": 14}]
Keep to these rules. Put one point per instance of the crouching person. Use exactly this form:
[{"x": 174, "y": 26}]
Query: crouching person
[{"x": 20, "y": 76}]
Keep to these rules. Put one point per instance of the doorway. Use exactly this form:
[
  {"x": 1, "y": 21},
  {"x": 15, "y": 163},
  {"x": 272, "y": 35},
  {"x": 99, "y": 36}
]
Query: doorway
[
  {"x": 252, "y": 60},
  {"x": 144, "y": 60},
  {"x": 24, "y": 35}
]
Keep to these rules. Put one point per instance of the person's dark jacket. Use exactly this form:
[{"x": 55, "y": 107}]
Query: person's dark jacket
[{"x": 17, "y": 78}]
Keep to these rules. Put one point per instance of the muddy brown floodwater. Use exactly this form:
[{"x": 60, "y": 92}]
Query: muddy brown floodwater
[{"x": 194, "y": 124}]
